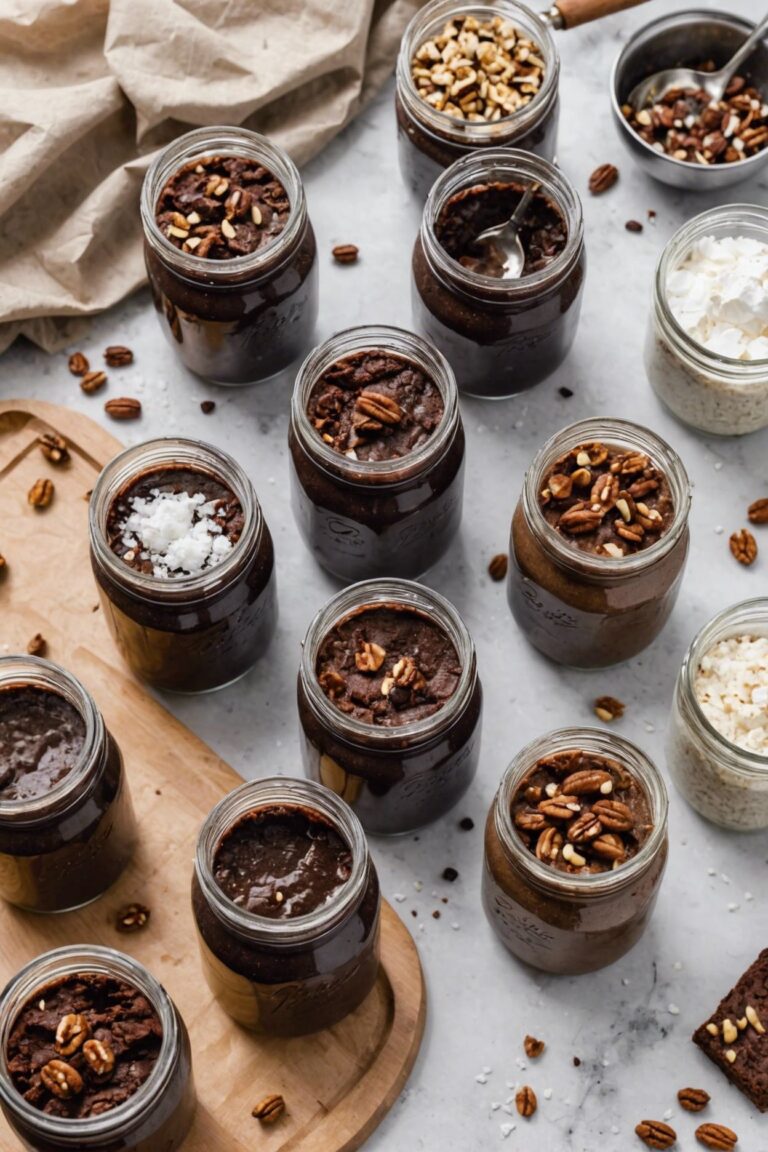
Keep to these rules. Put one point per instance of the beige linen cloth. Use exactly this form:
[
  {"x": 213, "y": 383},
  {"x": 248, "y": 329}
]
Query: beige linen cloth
[{"x": 90, "y": 89}]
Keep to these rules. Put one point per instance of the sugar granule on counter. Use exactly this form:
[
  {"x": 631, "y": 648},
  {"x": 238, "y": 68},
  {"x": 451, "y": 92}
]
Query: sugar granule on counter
[
  {"x": 176, "y": 532},
  {"x": 730, "y": 687}
]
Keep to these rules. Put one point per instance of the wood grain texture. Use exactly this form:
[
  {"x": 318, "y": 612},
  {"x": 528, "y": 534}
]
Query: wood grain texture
[{"x": 575, "y": 12}]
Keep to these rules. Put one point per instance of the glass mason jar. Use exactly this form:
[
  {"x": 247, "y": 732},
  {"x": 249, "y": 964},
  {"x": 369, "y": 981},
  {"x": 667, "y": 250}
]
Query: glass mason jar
[
  {"x": 65, "y": 847},
  {"x": 195, "y": 633},
  {"x": 723, "y": 782},
  {"x": 364, "y": 518},
  {"x": 499, "y": 336},
  {"x": 297, "y": 975},
  {"x": 156, "y": 1118},
  {"x": 401, "y": 777},
  {"x": 243, "y": 320},
  {"x": 714, "y": 393},
  {"x": 583, "y": 609},
  {"x": 429, "y": 141},
  {"x": 562, "y": 922}
]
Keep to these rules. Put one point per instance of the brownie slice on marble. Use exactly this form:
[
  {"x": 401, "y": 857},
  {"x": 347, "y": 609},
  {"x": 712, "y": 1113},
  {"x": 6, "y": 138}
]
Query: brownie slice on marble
[{"x": 736, "y": 1035}]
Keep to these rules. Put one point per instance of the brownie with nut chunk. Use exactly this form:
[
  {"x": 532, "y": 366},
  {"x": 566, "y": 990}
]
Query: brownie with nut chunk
[{"x": 735, "y": 1037}]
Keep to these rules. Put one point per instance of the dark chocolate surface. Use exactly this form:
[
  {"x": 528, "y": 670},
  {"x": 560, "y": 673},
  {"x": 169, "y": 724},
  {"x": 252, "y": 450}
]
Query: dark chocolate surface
[{"x": 41, "y": 739}]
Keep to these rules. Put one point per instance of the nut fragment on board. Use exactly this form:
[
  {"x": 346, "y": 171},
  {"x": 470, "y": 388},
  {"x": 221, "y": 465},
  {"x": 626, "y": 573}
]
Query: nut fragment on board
[
  {"x": 533, "y": 1047},
  {"x": 41, "y": 493},
  {"x": 38, "y": 645},
  {"x": 270, "y": 1109},
  {"x": 53, "y": 447},
  {"x": 132, "y": 918}
]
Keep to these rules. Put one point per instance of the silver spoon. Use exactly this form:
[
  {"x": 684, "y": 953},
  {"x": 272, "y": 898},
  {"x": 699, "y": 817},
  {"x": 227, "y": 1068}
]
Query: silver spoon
[
  {"x": 714, "y": 83},
  {"x": 506, "y": 236}
]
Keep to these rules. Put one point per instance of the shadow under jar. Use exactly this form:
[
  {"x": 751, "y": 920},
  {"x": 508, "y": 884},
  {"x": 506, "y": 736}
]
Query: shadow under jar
[
  {"x": 384, "y": 497},
  {"x": 500, "y": 336},
  {"x": 598, "y": 543},
  {"x": 287, "y": 905},
  {"x": 571, "y": 877},
  {"x": 430, "y": 139},
  {"x": 122, "y": 1071},
  {"x": 188, "y": 613},
  {"x": 67, "y": 828},
  {"x": 246, "y": 310},
  {"x": 390, "y": 703}
]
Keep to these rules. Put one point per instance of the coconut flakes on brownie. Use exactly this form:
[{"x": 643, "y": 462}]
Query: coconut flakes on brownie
[{"x": 178, "y": 533}]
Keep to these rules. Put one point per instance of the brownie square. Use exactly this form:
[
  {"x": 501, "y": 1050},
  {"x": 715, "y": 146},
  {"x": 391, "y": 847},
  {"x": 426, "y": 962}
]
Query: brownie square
[{"x": 748, "y": 1066}]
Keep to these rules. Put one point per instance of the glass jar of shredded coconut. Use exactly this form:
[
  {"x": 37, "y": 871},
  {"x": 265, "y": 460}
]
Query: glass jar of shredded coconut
[{"x": 717, "y": 740}]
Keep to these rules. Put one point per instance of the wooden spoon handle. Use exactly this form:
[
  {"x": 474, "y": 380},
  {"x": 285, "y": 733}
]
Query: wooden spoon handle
[{"x": 575, "y": 12}]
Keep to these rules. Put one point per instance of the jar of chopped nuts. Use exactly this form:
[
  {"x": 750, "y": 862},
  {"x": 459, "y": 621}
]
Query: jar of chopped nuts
[{"x": 473, "y": 76}]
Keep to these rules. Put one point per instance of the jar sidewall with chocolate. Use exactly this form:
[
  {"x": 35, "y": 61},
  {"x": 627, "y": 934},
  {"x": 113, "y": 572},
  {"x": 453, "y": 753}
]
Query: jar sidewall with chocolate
[
  {"x": 726, "y": 784},
  {"x": 712, "y": 393},
  {"x": 293, "y": 976},
  {"x": 403, "y": 777},
  {"x": 193, "y": 634},
  {"x": 65, "y": 848},
  {"x": 500, "y": 336},
  {"x": 160, "y": 1112},
  {"x": 563, "y": 922},
  {"x": 584, "y": 610},
  {"x": 268, "y": 299},
  {"x": 429, "y": 141},
  {"x": 394, "y": 517}
]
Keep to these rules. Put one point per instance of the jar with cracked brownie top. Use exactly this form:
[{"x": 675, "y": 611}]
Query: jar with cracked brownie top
[
  {"x": 598, "y": 543},
  {"x": 377, "y": 454},
  {"x": 502, "y": 62},
  {"x": 501, "y": 336},
  {"x": 390, "y": 703},
  {"x": 287, "y": 906},
  {"x": 575, "y": 850},
  {"x": 230, "y": 254},
  {"x": 184, "y": 563},
  {"x": 67, "y": 828},
  {"x": 93, "y": 1055}
]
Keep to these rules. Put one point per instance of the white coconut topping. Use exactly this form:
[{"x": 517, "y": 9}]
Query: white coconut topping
[
  {"x": 731, "y": 686},
  {"x": 176, "y": 532}
]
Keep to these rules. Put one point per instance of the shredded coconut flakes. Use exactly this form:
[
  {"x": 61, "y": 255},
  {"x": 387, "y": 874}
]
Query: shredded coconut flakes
[
  {"x": 176, "y": 532},
  {"x": 732, "y": 689}
]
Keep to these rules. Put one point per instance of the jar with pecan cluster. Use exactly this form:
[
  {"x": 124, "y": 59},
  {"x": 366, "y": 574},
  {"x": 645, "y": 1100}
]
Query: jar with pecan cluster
[
  {"x": 575, "y": 850},
  {"x": 598, "y": 543}
]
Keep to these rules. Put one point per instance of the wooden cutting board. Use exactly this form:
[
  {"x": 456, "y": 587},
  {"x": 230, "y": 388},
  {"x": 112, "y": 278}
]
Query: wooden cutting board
[{"x": 337, "y": 1084}]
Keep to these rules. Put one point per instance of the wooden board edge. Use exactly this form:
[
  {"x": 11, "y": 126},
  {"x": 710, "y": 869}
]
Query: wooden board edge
[{"x": 78, "y": 427}]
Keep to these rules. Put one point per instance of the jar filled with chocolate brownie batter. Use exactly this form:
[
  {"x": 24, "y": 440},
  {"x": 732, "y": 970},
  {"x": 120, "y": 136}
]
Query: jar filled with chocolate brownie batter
[
  {"x": 390, "y": 703},
  {"x": 377, "y": 452},
  {"x": 575, "y": 850},
  {"x": 500, "y": 335},
  {"x": 287, "y": 906},
  {"x": 598, "y": 543},
  {"x": 67, "y": 828},
  {"x": 471, "y": 77},
  {"x": 93, "y": 1055},
  {"x": 184, "y": 562},
  {"x": 230, "y": 254}
]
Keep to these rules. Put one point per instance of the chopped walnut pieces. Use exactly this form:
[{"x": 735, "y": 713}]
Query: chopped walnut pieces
[
  {"x": 100, "y": 1058},
  {"x": 61, "y": 1079},
  {"x": 371, "y": 658},
  {"x": 608, "y": 708},
  {"x": 132, "y": 918},
  {"x": 54, "y": 447},
  {"x": 533, "y": 1047},
  {"x": 743, "y": 546},
  {"x": 72, "y": 1032}
]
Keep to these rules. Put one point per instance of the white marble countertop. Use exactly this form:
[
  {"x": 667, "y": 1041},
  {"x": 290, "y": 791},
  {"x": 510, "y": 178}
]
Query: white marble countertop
[{"x": 630, "y": 1024}]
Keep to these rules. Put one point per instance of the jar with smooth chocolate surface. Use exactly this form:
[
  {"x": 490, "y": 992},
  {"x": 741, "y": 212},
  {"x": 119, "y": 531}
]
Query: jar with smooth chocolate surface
[
  {"x": 93, "y": 1055},
  {"x": 287, "y": 905},
  {"x": 390, "y": 703},
  {"x": 571, "y": 877},
  {"x": 598, "y": 543},
  {"x": 67, "y": 828},
  {"x": 230, "y": 254},
  {"x": 501, "y": 336},
  {"x": 430, "y": 139},
  {"x": 184, "y": 562},
  {"x": 377, "y": 454}
]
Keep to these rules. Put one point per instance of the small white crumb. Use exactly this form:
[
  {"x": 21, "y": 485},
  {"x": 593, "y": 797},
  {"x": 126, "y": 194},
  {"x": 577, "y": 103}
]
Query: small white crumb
[
  {"x": 521, "y": 1063},
  {"x": 508, "y": 1109},
  {"x": 506, "y": 1129},
  {"x": 673, "y": 1010},
  {"x": 605, "y": 1063},
  {"x": 678, "y": 965},
  {"x": 547, "y": 1093},
  {"x": 625, "y": 981},
  {"x": 711, "y": 871},
  {"x": 399, "y": 897},
  {"x": 718, "y": 465},
  {"x": 748, "y": 896},
  {"x": 733, "y": 907},
  {"x": 667, "y": 1115},
  {"x": 615, "y": 1129},
  {"x": 649, "y": 727},
  {"x": 725, "y": 879},
  {"x": 455, "y": 926},
  {"x": 719, "y": 530},
  {"x": 487, "y": 1071},
  {"x": 420, "y": 927},
  {"x": 481, "y": 1079},
  {"x": 495, "y": 1106},
  {"x": 418, "y": 885}
]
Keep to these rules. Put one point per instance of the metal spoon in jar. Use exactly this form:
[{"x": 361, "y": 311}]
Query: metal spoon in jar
[
  {"x": 714, "y": 83},
  {"x": 506, "y": 237}
]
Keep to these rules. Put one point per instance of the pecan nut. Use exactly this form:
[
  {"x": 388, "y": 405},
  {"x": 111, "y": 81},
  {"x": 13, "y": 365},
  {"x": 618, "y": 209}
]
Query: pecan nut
[
  {"x": 270, "y": 1109},
  {"x": 123, "y": 408},
  {"x": 497, "y": 568},
  {"x": 614, "y": 815},
  {"x": 549, "y": 844},
  {"x": 371, "y": 658},
  {"x": 530, "y": 821},
  {"x": 693, "y": 1099},
  {"x": 93, "y": 381},
  {"x": 605, "y": 491},
  {"x": 586, "y": 781},
  {"x": 716, "y": 1136},
  {"x": 61, "y": 1079},
  {"x": 560, "y": 807},
  {"x": 40, "y": 494},
  {"x": 100, "y": 1058},
  {"x": 118, "y": 356},
  {"x": 656, "y": 1134},
  {"x": 743, "y": 546},
  {"x": 609, "y": 846},
  {"x": 533, "y": 1047},
  {"x": 584, "y": 828},
  {"x": 72, "y": 1032},
  {"x": 560, "y": 485},
  {"x": 54, "y": 448},
  {"x": 379, "y": 407},
  {"x": 526, "y": 1102},
  {"x": 757, "y": 512},
  {"x": 78, "y": 364},
  {"x": 603, "y": 178},
  {"x": 132, "y": 918},
  {"x": 345, "y": 253},
  {"x": 579, "y": 519}
]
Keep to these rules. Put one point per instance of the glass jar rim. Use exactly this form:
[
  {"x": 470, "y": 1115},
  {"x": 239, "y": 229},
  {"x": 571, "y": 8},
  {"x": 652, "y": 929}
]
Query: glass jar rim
[
  {"x": 376, "y": 593},
  {"x": 68, "y": 961},
  {"x": 605, "y": 744},
  {"x": 607, "y": 430},
  {"x": 268, "y": 792},
  {"x": 396, "y": 342}
]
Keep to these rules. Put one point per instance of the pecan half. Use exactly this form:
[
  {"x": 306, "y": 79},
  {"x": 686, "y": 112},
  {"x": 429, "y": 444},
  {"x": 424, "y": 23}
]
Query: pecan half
[
  {"x": 586, "y": 781},
  {"x": 693, "y": 1099},
  {"x": 526, "y": 1102},
  {"x": 743, "y": 546},
  {"x": 78, "y": 364},
  {"x": 72, "y": 1032},
  {"x": 530, "y": 821},
  {"x": 716, "y": 1136},
  {"x": 560, "y": 807},
  {"x": 609, "y": 846},
  {"x": 614, "y": 815},
  {"x": 549, "y": 844},
  {"x": 40, "y": 494},
  {"x": 406, "y": 675},
  {"x": 54, "y": 448},
  {"x": 603, "y": 178},
  {"x": 579, "y": 520},
  {"x": 497, "y": 568},
  {"x": 379, "y": 407},
  {"x": 371, "y": 658},
  {"x": 132, "y": 918},
  {"x": 605, "y": 491},
  {"x": 758, "y": 511},
  {"x": 584, "y": 828},
  {"x": 656, "y": 1134},
  {"x": 61, "y": 1079},
  {"x": 38, "y": 645},
  {"x": 345, "y": 253},
  {"x": 560, "y": 485},
  {"x": 533, "y": 1047},
  {"x": 93, "y": 381},
  {"x": 118, "y": 356},
  {"x": 100, "y": 1058},
  {"x": 123, "y": 408},
  {"x": 270, "y": 1109}
]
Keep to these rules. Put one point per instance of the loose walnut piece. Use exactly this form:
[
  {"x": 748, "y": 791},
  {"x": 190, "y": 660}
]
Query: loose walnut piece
[
  {"x": 118, "y": 356},
  {"x": 533, "y": 1047},
  {"x": 132, "y": 918},
  {"x": 78, "y": 364},
  {"x": 371, "y": 658},
  {"x": 608, "y": 708},
  {"x": 656, "y": 1134},
  {"x": 497, "y": 568},
  {"x": 61, "y": 1079},
  {"x": 603, "y": 178},
  {"x": 345, "y": 253},
  {"x": 72, "y": 1032},
  {"x": 41, "y": 493},
  {"x": 743, "y": 546},
  {"x": 54, "y": 447},
  {"x": 38, "y": 645},
  {"x": 758, "y": 511},
  {"x": 693, "y": 1099},
  {"x": 717, "y": 1136},
  {"x": 270, "y": 1109},
  {"x": 525, "y": 1102},
  {"x": 100, "y": 1058}
]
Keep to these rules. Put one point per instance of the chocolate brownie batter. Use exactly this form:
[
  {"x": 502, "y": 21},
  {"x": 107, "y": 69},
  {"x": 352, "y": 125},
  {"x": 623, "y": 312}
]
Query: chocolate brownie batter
[
  {"x": 743, "y": 1011},
  {"x": 388, "y": 665},
  {"x": 219, "y": 207},
  {"x": 105, "y": 1055},
  {"x": 375, "y": 406},
  {"x": 607, "y": 500},
  {"x": 41, "y": 739},
  {"x": 581, "y": 812},
  {"x": 543, "y": 231}
]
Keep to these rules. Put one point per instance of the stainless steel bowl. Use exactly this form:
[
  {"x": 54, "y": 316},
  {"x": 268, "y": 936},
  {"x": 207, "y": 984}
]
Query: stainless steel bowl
[{"x": 686, "y": 38}]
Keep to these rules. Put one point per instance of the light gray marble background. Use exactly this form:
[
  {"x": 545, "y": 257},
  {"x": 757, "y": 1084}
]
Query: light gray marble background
[{"x": 630, "y": 1024}]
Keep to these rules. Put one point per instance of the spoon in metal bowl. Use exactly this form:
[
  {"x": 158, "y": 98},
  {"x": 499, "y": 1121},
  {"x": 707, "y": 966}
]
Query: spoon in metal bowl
[
  {"x": 506, "y": 237},
  {"x": 714, "y": 83}
]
